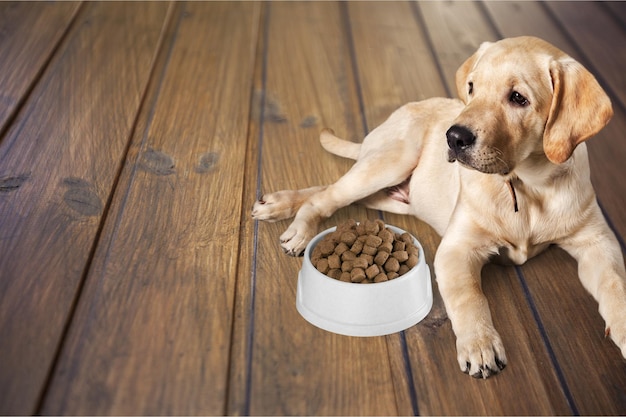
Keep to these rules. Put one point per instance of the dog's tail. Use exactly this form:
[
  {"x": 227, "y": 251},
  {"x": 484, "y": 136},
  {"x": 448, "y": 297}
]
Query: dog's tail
[{"x": 338, "y": 146}]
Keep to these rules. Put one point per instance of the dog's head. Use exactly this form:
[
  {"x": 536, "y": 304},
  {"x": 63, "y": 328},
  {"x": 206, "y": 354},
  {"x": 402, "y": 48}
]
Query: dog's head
[{"x": 524, "y": 97}]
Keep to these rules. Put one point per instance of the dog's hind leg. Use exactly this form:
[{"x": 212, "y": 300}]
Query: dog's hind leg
[
  {"x": 383, "y": 202},
  {"x": 375, "y": 172},
  {"x": 283, "y": 204}
]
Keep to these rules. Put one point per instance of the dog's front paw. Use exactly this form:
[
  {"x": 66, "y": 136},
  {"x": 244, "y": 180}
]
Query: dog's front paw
[
  {"x": 295, "y": 239},
  {"x": 480, "y": 352},
  {"x": 275, "y": 206}
]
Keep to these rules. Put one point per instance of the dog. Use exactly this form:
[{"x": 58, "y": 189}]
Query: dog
[{"x": 501, "y": 173}]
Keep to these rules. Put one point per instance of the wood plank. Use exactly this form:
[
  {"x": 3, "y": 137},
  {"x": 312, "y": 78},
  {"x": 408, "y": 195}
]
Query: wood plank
[
  {"x": 431, "y": 344},
  {"x": 60, "y": 178},
  {"x": 576, "y": 333},
  {"x": 617, "y": 9},
  {"x": 153, "y": 327},
  {"x": 601, "y": 37},
  {"x": 24, "y": 58},
  {"x": 295, "y": 368},
  {"x": 580, "y": 343}
]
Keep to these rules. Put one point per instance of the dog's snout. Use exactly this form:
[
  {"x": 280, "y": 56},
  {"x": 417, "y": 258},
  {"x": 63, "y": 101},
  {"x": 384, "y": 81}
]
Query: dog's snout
[{"x": 460, "y": 137}]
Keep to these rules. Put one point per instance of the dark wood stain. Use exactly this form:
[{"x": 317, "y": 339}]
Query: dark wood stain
[{"x": 166, "y": 298}]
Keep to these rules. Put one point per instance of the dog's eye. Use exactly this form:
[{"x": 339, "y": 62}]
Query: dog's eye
[
  {"x": 518, "y": 99},
  {"x": 470, "y": 88}
]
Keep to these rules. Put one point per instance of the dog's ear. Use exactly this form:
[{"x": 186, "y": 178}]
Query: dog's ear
[
  {"x": 466, "y": 68},
  {"x": 580, "y": 108}
]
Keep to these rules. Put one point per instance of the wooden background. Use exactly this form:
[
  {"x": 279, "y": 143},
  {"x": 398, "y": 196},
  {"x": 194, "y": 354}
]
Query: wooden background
[{"x": 134, "y": 139}]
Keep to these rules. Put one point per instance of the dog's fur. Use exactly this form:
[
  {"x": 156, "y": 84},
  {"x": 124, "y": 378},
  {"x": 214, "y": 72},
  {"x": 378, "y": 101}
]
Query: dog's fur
[{"x": 521, "y": 183}]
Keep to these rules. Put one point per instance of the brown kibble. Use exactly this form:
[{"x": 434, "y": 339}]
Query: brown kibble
[
  {"x": 412, "y": 261},
  {"x": 348, "y": 238},
  {"x": 392, "y": 265},
  {"x": 322, "y": 265},
  {"x": 398, "y": 245},
  {"x": 334, "y": 262},
  {"x": 386, "y": 235},
  {"x": 334, "y": 273},
  {"x": 382, "y": 277},
  {"x": 381, "y": 257},
  {"x": 326, "y": 247},
  {"x": 316, "y": 254},
  {"x": 341, "y": 248},
  {"x": 369, "y": 250},
  {"x": 368, "y": 258},
  {"x": 357, "y": 275},
  {"x": 386, "y": 247},
  {"x": 372, "y": 271},
  {"x": 401, "y": 255},
  {"x": 373, "y": 241},
  {"x": 332, "y": 237},
  {"x": 357, "y": 247},
  {"x": 371, "y": 227},
  {"x": 347, "y": 225},
  {"x": 360, "y": 262},
  {"x": 348, "y": 256},
  {"x": 365, "y": 253}
]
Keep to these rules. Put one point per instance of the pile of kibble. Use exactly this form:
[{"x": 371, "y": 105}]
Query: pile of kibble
[{"x": 365, "y": 252}]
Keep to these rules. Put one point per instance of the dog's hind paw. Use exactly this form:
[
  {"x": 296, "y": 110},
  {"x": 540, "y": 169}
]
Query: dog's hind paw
[
  {"x": 481, "y": 354},
  {"x": 274, "y": 207}
]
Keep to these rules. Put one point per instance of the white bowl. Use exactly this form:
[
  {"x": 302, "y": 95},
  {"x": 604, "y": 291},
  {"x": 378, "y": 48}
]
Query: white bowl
[{"x": 363, "y": 309}]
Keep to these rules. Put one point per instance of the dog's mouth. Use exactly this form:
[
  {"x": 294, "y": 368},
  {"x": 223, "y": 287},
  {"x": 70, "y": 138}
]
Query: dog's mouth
[{"x": 487, "y": 161}]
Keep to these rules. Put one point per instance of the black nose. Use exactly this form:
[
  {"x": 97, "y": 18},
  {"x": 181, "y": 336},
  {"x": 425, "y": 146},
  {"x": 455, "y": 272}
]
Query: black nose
[{"x": 460, "y": 137}]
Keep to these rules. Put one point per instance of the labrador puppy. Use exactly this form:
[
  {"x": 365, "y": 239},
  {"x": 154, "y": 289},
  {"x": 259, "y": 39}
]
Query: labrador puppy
[{"x": 503, "y": 172}]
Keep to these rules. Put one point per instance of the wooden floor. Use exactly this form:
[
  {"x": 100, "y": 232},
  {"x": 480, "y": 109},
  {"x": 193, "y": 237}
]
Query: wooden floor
[{"x": 134, "y": 139}]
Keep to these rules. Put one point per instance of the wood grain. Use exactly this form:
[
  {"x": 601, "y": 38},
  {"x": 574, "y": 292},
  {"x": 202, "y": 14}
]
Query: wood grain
[
  {"x": 296, "y": 368},
  {"x": 135, "y": 138},
  {"x": 50, "y": 217},
  {"x": 152, "y": 330},
  {"x": 24, "y": 57}
]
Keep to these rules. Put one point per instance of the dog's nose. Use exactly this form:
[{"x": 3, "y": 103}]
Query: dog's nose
[{"x": 460, "y": 137}]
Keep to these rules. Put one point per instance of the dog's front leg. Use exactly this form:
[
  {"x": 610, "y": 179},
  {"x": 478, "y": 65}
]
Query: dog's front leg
[
  {"x": 601, "y": 271},
  {"x": 480, "y": 351}
]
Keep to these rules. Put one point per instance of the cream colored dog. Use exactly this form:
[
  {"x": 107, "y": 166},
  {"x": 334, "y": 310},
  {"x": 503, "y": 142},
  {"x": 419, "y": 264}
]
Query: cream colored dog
[{"x": 521, "y": 183}]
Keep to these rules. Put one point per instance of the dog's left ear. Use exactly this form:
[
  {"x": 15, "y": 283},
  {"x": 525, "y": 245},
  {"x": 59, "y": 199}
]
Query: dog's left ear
[
  {"x": 463, "y": 72},
  {"x": 580, "y": 108}
]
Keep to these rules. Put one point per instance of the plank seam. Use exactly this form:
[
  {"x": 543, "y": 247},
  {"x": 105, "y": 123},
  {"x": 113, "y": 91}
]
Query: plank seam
[
  {"x": 255, "y": 233},
  {"x": 421, "y": 23},
  {"x": 105, "y": 213},
  {"x": 546, "y": 341},
  {"x": 21, "y": 103}
]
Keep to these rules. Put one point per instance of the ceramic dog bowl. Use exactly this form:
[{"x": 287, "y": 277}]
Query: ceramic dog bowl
[{"x": 363, "y": 309}]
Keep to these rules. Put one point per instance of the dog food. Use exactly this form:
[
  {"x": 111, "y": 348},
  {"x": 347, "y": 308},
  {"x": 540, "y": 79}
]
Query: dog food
[{"x": 365, "y": 252}]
